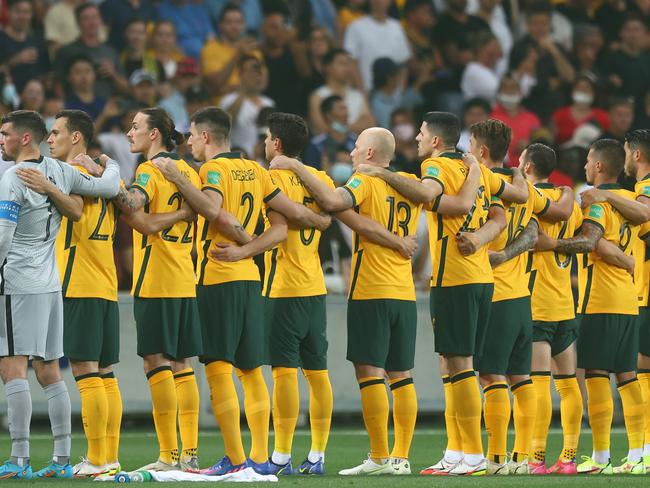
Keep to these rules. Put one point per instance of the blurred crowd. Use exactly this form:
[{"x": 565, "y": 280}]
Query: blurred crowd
[{"x": 563, "y": 72}]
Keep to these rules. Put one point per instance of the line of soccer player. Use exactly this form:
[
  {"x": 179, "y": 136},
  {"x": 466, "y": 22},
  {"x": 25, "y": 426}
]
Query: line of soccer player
[{"x": 497, "y": 308}]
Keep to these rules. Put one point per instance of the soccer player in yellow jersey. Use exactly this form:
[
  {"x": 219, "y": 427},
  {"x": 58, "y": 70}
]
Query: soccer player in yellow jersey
[
  {"x": 609, "y": 338},
  {"x": 382, "y": 315},
  {"x": 229, "y": 293},
  {"x": 164, "y": 292},
  {"x": 555, "y": 326},
  {"x": 506, "y": 357},
  {"x": 462, "y": 285}
]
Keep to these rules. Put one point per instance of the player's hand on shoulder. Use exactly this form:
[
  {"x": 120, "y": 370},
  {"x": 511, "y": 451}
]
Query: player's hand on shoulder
[
  {"x": 470, "y": 160},
  {"x": 591, "y": 196},
  {"x": 227, "y": 252},
  {"x": 409, "y": 246},
  {"x": 34, "y": 180},
  {"x": 168, "y": 168},
  {"x": 368, "y": 169},
  {"x": 467, "y": 243},
  {"x": 86, "y": 162},
  {"x": 284, "y": 162}
]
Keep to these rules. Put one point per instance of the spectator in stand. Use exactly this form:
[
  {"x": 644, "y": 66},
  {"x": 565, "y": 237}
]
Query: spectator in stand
[
  {"x": 245, "y": 104},
  {"x": 418, "y": 24},
  {"x": 192, "y": 22},
  {"x": 32, "y": 96},
  {"x": 118, "y": 15},
  {"x": 143, "y": 87},
  {"x": 114, "y": 141},
  {"x": 391, "y": 91},
  {"x": 643, "y": 121},
  {"x": 587, "y": 46},
  {"x": 339, "y": 76},
  {"x": 621, "y": 117},
  {"x": 553, "y": 69},
  {"x": 174, "y": 103},
  {"x": 474, "y": 111},
  {"x": 165, "y": 48},
  {"x": 560, "y": 29},
  {"x": 402, "y": 125},
  {"x": 567, "y": 119},
  {"x": 322, "y": 151},
  {"x": 491, "y": 11},
  {"x": 60, "y": 25},
  {"x": 510, "y": 111},
  {"x": 480, "y": 78},
  {"x": 523, "y": 65},
  {"x": 628, "y": 69},
  {"x": 51, "y": 107},
  {"x": 350, "y": 11},
  {"x": 220, "y": 57},
  {"x": 252, "y": 10},
  {"x": 135, "y": 55},
  {"x": 286, "y": 61},
  {"x": 196, "y": 98},
  {"x": 376, "y": 36},
  {"x": 609, "y": 17},
  {"x": 21, "y": 49},
  {"x": 81, "y": 81},
  {"x": 90, "y": 45},
  {"x": 319, "y": 44}
]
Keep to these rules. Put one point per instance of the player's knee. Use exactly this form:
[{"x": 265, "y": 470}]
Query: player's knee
[
  {"x": 80, "y": 368},
  {"x": 13, "y": 367},
  {"x": 47, "y": 372},
  {"x": 366, "y": 370}
]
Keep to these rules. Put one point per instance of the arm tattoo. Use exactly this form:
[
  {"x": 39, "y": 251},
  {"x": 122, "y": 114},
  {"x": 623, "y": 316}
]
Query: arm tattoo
[
  {"x": 130, "y": 201},
  {"x": 346, "y": 197},
  {"x": 585, "y": 242},
  {"x": 524, "y": 242}
]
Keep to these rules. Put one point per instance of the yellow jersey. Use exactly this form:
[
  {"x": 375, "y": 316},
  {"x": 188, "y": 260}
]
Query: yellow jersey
[
  {"x": 162, "y": 262},
  {"x": 293, "y": 268},
  {"x": 379, "y": 272},
  {"x": 511, "y": 277},
  {"x": 244, "y": 186},
  {"x": 84, "y": 251},
  {"x": 641, "y": 252},
  {"x": 605, "y": 288},
  {"x": 450, "y": 267},
  {"x": 550, "y": 278}
]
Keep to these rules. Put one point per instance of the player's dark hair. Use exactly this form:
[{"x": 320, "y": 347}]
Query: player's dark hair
[
  {"x": 82, "y": 8},
  {"x": 444, "y": 125},
  {"x": 157, "y": 118},
  {"x": 331, "y": 55},
  {"x": 27, "y": 121},
  {"x": 327, "y": 105},
  {"x": 495, "y": 135},
  {"x": 611, "y": 153},
  {"x": 292, "y": 131},
  {"x": 215, "y": 119},
  {"x": 543, "y": 159},
  {"x": 229, "y": 7},
  {"x": 78, "y": 121},
  {"x": 639, "y": 140}
]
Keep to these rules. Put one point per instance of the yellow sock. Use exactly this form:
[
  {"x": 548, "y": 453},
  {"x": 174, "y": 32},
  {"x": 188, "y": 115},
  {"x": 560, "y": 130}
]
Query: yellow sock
[
  {"x": 321, "y": 403},
  {"x": 633, "y": 412},
  {"x": 225, "y": 406},
  {"x": 600, "y": 407},
  {"x": 114, "y": 420},
  {"x": 163, "y": 397},
  {"x": 187, "y": 392},
  {"x": 496, "y": 414},
  {"x": 467, "y": 402},
  {"x": 542, "y": 384},
  {"x": 286, "y": 406},
  {"x": 374, "y": 406},
  {"x": 571, "y": 414},
  {"x": 454, "y": 442},
  {"x": 94, "y": 414},
  {"x": 524, "y": 415},
  {"x": 644, "y": 382},
  {"x": 257, "y": 406},
  {"x": 405, "y": 413}
]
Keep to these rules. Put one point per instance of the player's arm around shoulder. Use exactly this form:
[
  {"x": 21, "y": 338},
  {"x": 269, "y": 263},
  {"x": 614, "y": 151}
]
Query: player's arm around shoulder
[
  {"x": 517, "y": 191},
  {"x": 592, "y": 230},
  {"x": 142, "y": 190},
  {"x": 553, "y": 211},
  {"x": 461, "y": 203},
  {"x": 426, "y": 190},
  {"x": 637, "y": 211}
]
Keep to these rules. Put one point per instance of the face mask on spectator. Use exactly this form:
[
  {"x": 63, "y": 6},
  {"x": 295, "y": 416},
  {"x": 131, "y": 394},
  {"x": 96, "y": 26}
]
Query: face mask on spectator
[
  {"x": 9, "y": 94},
  {"x": 404, "y": 132},
  {"x": 341, "y": 172},
  {"x": 339, "y": 127},
  {"x": 49, "y": 122},
  {"x": 508, "y": 100},
  {"x": 582, "y": 98}
]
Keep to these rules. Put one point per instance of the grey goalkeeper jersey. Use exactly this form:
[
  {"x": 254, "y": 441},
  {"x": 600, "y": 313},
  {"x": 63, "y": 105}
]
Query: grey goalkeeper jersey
[{"x": 32, "y": 221}]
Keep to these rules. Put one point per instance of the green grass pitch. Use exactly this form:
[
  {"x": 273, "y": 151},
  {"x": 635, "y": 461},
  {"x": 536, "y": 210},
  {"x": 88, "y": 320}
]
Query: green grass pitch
[{"x": 346, "y": 449}]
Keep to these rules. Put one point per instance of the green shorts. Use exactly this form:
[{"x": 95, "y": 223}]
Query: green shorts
[
  {"x": 91, "y": 330},
  {"x": 432, "y": 305},
  {"x": 168, "y": 326},
  {"x": 381, "y": 333},
  {"x": 233, "y": 325},
  {"x": 644, "y": 331},
  {"x": 508, "y": 346},
  {"x": 462, "y": 314},
  {"x": 609, "y": 342},
  {"x": 560, "y": 335},
  {"x": 297, "y": 331}
]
